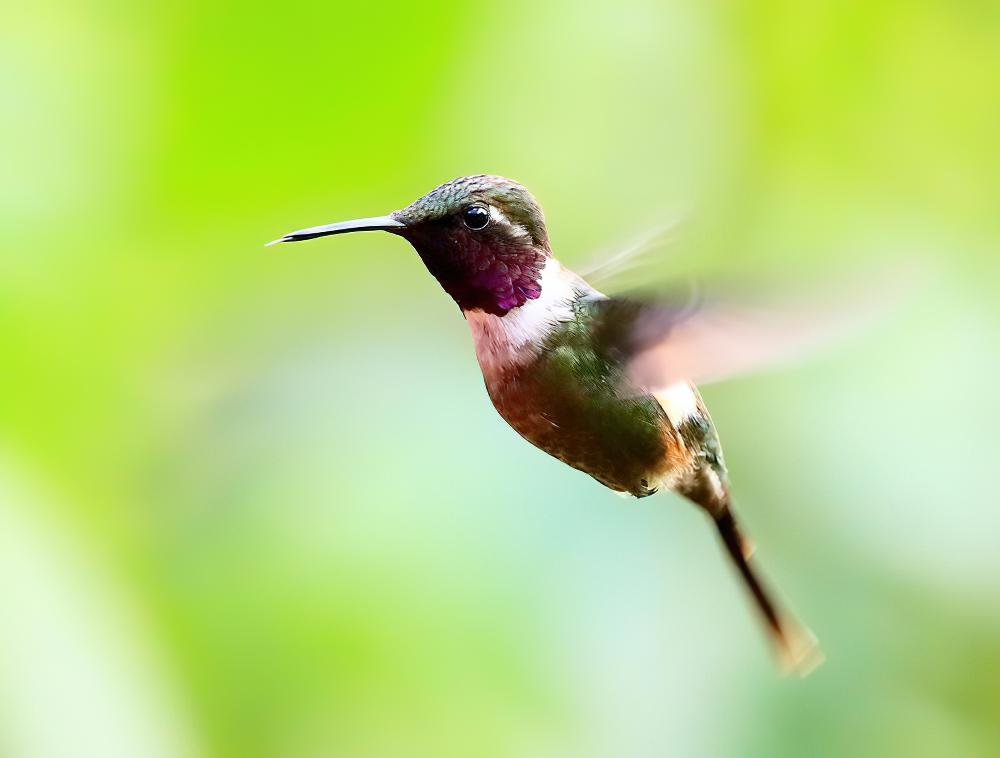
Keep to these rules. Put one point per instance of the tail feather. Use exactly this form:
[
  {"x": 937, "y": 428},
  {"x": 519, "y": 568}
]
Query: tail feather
[{"x": 796, "y": 647}]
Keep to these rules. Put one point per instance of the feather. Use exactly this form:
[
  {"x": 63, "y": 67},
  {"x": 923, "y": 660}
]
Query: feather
[
  {"x": 670, "y": 338},
  {"x": 639, "y": 254}
]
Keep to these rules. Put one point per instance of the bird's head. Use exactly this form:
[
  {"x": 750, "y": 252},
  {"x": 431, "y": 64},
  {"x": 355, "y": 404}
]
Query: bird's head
[{"x": 482, "y": 237}]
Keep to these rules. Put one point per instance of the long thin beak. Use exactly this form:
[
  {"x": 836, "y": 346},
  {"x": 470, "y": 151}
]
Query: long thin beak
[{"x": 375, "y": 223}]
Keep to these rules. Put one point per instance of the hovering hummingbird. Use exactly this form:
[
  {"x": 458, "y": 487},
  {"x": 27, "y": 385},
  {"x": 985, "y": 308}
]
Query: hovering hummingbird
[{"x": 604, "y": 384}]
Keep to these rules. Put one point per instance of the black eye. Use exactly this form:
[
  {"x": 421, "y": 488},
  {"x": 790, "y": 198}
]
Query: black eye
[{"x": 476, "y": 217}]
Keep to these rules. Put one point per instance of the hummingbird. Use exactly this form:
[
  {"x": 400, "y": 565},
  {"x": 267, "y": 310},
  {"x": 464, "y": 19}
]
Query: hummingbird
[{"x": 604, "y": 384}]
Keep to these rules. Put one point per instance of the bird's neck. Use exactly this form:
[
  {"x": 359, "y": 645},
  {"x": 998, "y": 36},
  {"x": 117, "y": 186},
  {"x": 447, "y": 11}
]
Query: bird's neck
[
  {"x": 514, "y": 337},
  {"x": 482, "y": 273}
]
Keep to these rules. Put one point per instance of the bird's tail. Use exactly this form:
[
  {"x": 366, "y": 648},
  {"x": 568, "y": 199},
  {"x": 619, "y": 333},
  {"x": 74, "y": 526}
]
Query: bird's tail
[{"x": 796, "y": 647}]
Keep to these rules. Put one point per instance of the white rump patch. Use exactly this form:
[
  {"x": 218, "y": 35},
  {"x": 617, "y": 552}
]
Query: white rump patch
[{"x": 679, "y": 402}]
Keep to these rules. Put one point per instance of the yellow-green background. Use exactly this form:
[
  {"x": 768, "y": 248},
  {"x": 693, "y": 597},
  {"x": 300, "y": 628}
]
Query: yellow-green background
[{"x": 257, "y": 503}]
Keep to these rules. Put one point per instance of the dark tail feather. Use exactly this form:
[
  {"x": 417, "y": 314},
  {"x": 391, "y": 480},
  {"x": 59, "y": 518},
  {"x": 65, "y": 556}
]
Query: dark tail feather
[{"x": 795, "y": 645}]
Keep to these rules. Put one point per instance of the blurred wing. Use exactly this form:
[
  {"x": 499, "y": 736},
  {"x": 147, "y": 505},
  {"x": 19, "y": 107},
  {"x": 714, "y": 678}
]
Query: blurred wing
[
  {"x": 685, "y": 336},
  {"x": 638, "y": 255},
  {"x": 665, "y": 340}
]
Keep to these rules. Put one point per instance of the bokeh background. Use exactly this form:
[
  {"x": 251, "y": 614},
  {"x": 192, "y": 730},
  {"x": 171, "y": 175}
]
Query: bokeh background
[{"x": 258, "y": 504}]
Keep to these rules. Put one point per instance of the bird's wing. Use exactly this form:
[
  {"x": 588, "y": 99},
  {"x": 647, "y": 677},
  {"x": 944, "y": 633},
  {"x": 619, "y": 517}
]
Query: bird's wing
[
  {"x": 711, "y": 332},
  {"x": 634, "y": 258},
  {"x": 667, "y": 339}
]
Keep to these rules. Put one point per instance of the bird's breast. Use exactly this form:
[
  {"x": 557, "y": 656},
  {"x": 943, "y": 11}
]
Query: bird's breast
[
  {"x": 514, "y": 339},
  {"x": 566, "y": 400}
]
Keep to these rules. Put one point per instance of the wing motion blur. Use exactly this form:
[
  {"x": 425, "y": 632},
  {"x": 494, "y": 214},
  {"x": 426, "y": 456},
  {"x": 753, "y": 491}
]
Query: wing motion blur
[
  {"x": 671, "y": 336},
  {"x": 634, "y": 257}
]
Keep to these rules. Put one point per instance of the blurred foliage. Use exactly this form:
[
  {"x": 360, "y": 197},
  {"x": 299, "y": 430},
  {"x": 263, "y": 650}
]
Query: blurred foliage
[{"x": 257, "y": 504}]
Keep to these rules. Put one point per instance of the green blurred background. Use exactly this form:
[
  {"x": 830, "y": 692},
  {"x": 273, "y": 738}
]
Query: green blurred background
[{"x": 258, "y": 504}]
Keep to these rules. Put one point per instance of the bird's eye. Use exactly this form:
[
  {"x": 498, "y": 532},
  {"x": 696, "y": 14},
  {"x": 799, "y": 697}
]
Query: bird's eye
[{"x": 476, "y": 217}]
